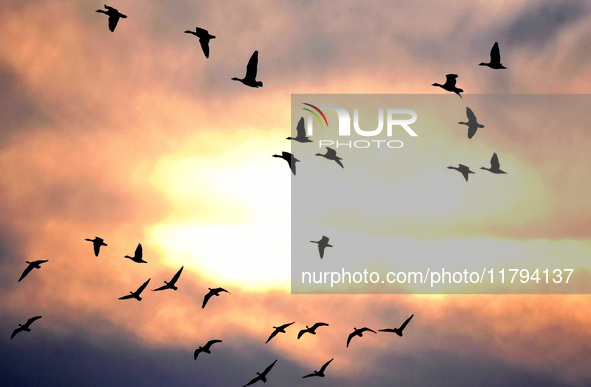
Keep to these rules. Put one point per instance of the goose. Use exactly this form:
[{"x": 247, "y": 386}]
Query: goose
[
  {"x": 261, "y": 376},
  {"x": 32, "y": 265},
  {"x": 114, "y": 16},
  {"x": 138, "y": 255},
  {"x": 319, "y": 372},
  {"x": 172, "y": 283},
  {"x": 398, "y": 331},
  {"x": 301, "y": 132},
  {"x": 137, "y": 293},
  {"x": 204, "y": 38},
  {"x": 495, "y": 167},
  {"x": 251, "y": 72},
  {"x": 495, "y": 58},
  {"x": 331, "y": 154},
  {"x": 472, "y": 123},
  {"x": 213, "y": 292},
  {"x": 450, "y": 84},
  {"x": 291, "y": 160},
  {"x": 464, "y": 170},
  {"x": 97, "y": 243},
  {"x": 278, "y": 329},
  {"x": 205, "y": 348},
  {"x": 26, "y": 327},
  {"x": 358, "y": 332},
  {"x": 311, "y": 330},
  {"x": 322, "y": 244}
]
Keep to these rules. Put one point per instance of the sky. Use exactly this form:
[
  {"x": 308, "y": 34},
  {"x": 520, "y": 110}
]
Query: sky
[{"x": 136, "y": 137}]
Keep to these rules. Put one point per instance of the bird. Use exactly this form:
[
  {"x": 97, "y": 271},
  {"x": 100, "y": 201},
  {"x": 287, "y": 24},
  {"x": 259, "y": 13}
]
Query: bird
[
  {"x": 472, "y": 123},
  {"x": 251, "y": 72},
  {"x": 358, "y": 332},
  {"x": 26, "y": 327},
  {"x": 213, "y": 292},
  {"x": 398, "y": 331},
  {"x": 450, "y": 84},
  {"x": 97, "y": 243},
  {"x": 311, "y": 330},
  {"x": 204, "y": 38},
  {"x": 300, "y": 133},
  {"x": 495, "y": 58},
  {"x": 278, "y": 329},
  {"x": 320, "y": 372},
  {"x": 495, "y": 167},
  {"x": 291, "y": 160},
  {"x": 322, "y": 244},
  {"x": 205, "y": 348},
  {"x": 261, "y": 376},
  {"x": 137, "y": 293},
  {"x": 114, "y": 16},
  {"x": 32, "y": 265},
  {"x": 137, "y": 256},
  {"x": 464, "y": 170},
  {"x": 171, "y": 284},
  {"x": 331, "y": 154}
]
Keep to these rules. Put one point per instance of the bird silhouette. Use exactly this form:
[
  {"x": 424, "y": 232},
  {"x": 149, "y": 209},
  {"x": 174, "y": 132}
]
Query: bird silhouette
[
  {"x": 495, "y": 167},
  {"x": 137, "y": 293},
  {"x": 358, "y": 332},
  {"x": 213, "y": 292},
  {"x": 495, "y": 58},
  {"x": 278, "y": 329},
  {"x": 398, "y": 331},
  {"x": 331, "y": 154},
  {"x": 32, "y": 265},
  {"x": 204, "y": 38},
  {"x": 450, "y": 84},
  {"x": 261, "y": 376},
  {"x": 291, "y": 160},
  {"x": 251, "y": 72},
  {"x": 205, "y": 348},
  {"x": 97, "y": 243},
  {"x": 26, "y": 327},
  {"x": 172, "y": 283},
  {"x": 322, "y": 244},
  {"x": 464, "y": 170},
  {"x": 319, "y": 372},
  {"x": 311, "y": 330},
  {"x": 138, "y": 255},
  {"x": 472, "y": 123},
  {"x": 114, "y": 16},
  {"x": 300, "y": 132}
]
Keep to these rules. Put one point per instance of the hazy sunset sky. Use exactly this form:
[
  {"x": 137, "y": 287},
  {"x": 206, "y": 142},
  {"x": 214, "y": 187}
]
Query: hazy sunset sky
[{"x": 136, "y": 137}]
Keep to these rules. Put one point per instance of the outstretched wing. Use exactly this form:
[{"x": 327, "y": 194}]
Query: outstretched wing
[
  {"x": 266, "y": 371},
  {"x": 97, "y": 247},
  {"x": 319, "y": 324},
  {"x": 495, "y": 54},
  {"x": 302, "y": 332},
  {"x": 404, "y": 324},
  {"x": 204, "y": 41},
  {"x": 212, "y": 342},
  {"x": 321, "y": 248},
  {"x": 206, "y": 298},
  {"x": 176, "y": 276},
  {"x": 141, "y": 288},
  {"x": 494, "y": 162},
  {"x": 113, "y": 20},
  {"x": 26, "y": 271},
  {"x": 324, "y": 366},
  {"x": 139, "y": 251},
  {"x": 253, "y": 381},
  {"x": 163, "y": 287},
  {"x": 387, "y": 330},
  {"x": 14, "y": 333},
  {"x": 197, "y": 352},
  {"x": 301, "y": 129},
  {"x": 470, "y": 114},
  {"x": 351, "y": 335},
  {"x": 312, "y": 374},
  {"x": 330, "y": 153},
  {"x": 126, "y": 297},
  {"x": 251, "y": 67},
  {"x": 366, "y": 329},
  {"x": 31, "y": 320},
  {"x": 273, "y": 334}
]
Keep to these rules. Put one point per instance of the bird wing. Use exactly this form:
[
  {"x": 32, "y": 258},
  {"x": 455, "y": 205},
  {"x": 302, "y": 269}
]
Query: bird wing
[
  {"x": 26, "y": 271},
  {"x": 201, "y": 32},
  {"x": 365, "y": 329},
  {"x": 14, "y": 333},
  {"x": 387, "y": 330},
  {"x": 31, "y": 320},
  {"x": 472, "y": 130},
  {"x": 196, "y": 353},
  {"x": 351, "y": 335},
  {"x": 212, "y": 342},
  {"x": 318, "y": 324},
  {"x": 40, "y": 261},
  {"x": 301, "y": 129},
  {"x": 302, "y": 332},
  {"x": 113, "y": 20},
  {"x": 312, "y": 374},
  {"x": 273, "y": 334},
  {"x": 286, "y": 325},
  {"x": 330, "y": 153},
  {"x": 470, "y": 114},
  {"x": 292, "y": 164},
  {"x": 404, "y": 324},
  {"x": 97, "y": 247},
  {"x": 141, "y": 288},
  {"x": 251, "y": 67},
  {"x": 204, "y": 41},
  {"x": 176, "y": 276},
  {"x": 206, "y": 298},
  {"x": 126, "y": 297},
  {"x": 321, "y": 248},
  {"x": 495, "y": 54},
  {"x": 324, "y": 366},
  {"x": 223, "y": 290},
  {"x": 451, "y": 79},
  {"x": 163, "y": 287},
  {"x": 139, "y": 251},
  {"x": 494, "y": 162},
  {"x": 266, "y": 371},
  {"x": 253, "y": 381},
  {"x": 338, "y": 161}
]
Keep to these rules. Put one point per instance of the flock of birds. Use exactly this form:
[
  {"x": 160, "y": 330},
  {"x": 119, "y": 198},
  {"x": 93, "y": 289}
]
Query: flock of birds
[{"x": 250, "y": 80}]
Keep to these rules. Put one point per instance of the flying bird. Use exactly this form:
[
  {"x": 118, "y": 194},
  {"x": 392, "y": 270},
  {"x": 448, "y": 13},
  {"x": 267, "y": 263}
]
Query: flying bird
[
  {"x": 358, "y": 332},
  {"x": 114, "y": 16},
  {"x": 251, "y": 72},
  {"x": 398, "y": 331},
  {"x": 26, "y": 327},
  {"x": 322, "y": 244},
  {"x": 300, "y": 132},
  {"x": 311, "y": 330},
  {"x": 205, "y": 348},
  {"x": 495, "y": 58},
  {"x": 213, "y": 292},
  {"x": 472, "y": 123},
  {"x": 450, "y": 84},
  {"x": 291, "y": 160},
  {"x": 32, "y": 265},
  {"x": 319, "y": 372},
  {"x": 278, "y": 329},
  {"x": 204, "y": 38},
  {"x": 464, "y": 170},
  {"x": 137, "y": 256},
  {"x": 331, "y": 154},
  {"x": 137, "y": 293},
  {"x": 171, "y": 284},
  {"x": 261, "y": 376},
  {"x": 495, "y": 167},
  {"x": 97, "y": 243}
]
